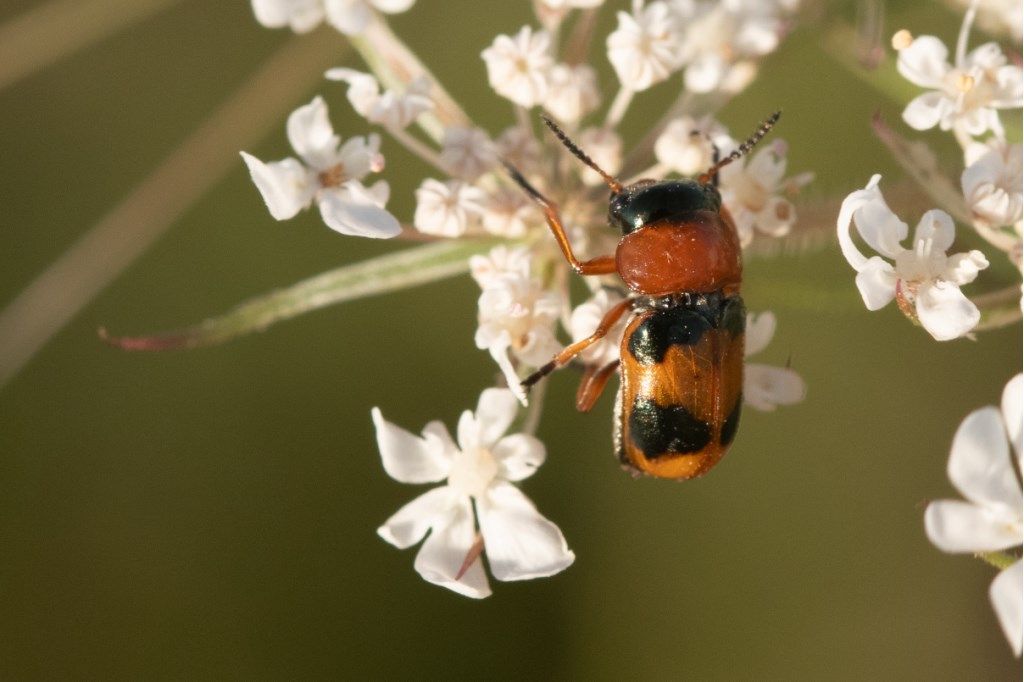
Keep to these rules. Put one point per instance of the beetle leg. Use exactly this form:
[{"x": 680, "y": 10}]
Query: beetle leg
[
  {"x": 572, "y": 350},
  {"x": 603, "y": 265},
  {"x": 593, "y": 383}
]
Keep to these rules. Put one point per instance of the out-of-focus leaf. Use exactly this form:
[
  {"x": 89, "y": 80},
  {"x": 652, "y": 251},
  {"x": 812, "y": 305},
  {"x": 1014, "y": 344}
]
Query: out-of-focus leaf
[{"x": 381, "y": 275}]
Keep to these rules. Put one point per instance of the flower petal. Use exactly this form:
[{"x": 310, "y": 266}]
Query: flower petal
[
  {"x": 945, "y": 312},
  {"x": 286, "y": 185},
  {"x": 354, "y": 210},
  {"x": 407, "y": 458},
  {"x": 519, "y": 455},
  {"x": 923, "y": 62},
  {"x": 956, "y": 526},
  {"x": 441, "y": 556},
  {"x": 495, "y": 411},
  {"x": 980, "y": 465},
  {"x": 310, "y": 133},
  {"x": 937, "y": 226},
  {"x": 521, "y": 544},
  {"x": 348, "y": 16},
  {"x": 760, "y": 330},
  {"x": 410, "y": 523},
  {"x": 878, "y": 225},
  {"x": 876, "y": 283},
  {"x": 765, "y": 387},
  {"x": 1007, "y": 598},
  {"x": 1013, "y": 412},
  {"x": 927, "y": 110}
]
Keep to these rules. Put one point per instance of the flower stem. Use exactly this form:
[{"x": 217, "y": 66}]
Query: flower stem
[
  {"x": 618, "y": 108},
  {"x": 129, "y": 228},
  {"x": 417, "y": 147}
]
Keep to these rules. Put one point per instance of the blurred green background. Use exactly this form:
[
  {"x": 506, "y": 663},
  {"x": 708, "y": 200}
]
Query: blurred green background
[{"x": 211, "y": 514}]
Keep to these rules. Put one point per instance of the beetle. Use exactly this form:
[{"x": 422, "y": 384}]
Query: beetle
[{"x": 681, "y": 356}]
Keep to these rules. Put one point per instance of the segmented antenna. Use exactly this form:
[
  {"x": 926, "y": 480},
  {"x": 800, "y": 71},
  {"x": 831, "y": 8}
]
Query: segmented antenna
[
  {"x": 578, "y": 153},
  {"x": 744, "y": 148}
]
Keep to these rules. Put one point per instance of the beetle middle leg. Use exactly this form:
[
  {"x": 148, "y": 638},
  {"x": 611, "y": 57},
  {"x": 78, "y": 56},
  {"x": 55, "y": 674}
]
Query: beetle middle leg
[
  {"x": 602, "y": 265},
  {"x": 592, "y": 385},
  {"x": 574, "y": 349}
]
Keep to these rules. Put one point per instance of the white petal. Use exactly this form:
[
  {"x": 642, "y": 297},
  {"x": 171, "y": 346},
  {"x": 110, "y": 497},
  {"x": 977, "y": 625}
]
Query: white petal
[
  {"x": 353, "y": 210},
  {"x": 521, "y": 544},
  {"x": 441, "y": 556},
  {"x": 760, "y": 330},
  {"x": 927, "y": 110},
  {"x": 310, "y": 133},
  {"x": 876, "y": 223},
  {"x": 499, "y": 351},
  {"x": 937, "y": 226},
  {"x": 880, "y": 227},
  {"x": 1007, "y": 597},
  {"x": 955, "y": 526},
  {"x": 979, "y": 462},
  {"x": 286, "y": 185},
  {"x": 393, "y": 6},
  {"x": 963, "y": 268},
  {"x": 924, "y": 63},
  {"x": 410, "y": 523},
  {"x": 945, "y": 312},
  {"x": 765, "y": 387},
  {"x": 363, "y": 89},
  {"x": 705, "y": 73},
  {"x": 1013, "y": 412},
  {"x": 348, "y": 16},
  {"x": 519, "y": 456},
  {"x": 406, "y": 457},
  {"x": 495, "y": 412},
  {"x": 301, "y": 15},
  {"x": 877, "y": 283}
]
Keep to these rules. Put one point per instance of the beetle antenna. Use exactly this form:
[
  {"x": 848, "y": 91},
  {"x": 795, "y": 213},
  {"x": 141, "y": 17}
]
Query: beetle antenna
[
  {"x": 762, "y": 130},
  {"x": 579, "y": 154}
]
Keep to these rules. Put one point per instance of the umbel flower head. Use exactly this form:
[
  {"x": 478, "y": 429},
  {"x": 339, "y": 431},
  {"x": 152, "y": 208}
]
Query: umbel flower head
[
  {"x": 981, "y": 468},
  {"x": 477, "y": 503}
]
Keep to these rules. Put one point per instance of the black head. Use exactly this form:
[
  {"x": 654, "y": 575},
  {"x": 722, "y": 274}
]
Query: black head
[{"x": 648, "y": 201}]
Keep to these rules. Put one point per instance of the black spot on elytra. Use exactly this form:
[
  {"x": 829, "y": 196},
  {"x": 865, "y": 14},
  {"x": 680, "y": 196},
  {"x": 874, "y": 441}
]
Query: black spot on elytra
[
  {"x": 731, "y": 423},
  {"x": 658, "y": 430},
  {"x": 664, "y": 328}
]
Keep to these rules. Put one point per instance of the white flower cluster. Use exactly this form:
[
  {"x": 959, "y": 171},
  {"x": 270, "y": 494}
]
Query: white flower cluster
[
  {"x": 981, "y": 466},
  {"x": 524, "y": 304},
  {"x": 963, "y": 97}
]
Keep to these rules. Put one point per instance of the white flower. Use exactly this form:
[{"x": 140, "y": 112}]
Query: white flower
[
  {"x": 520, "y": 544},
  {"x": 467, "y": 152},
  {"x": 584, "y": 320},
  {"x": 328, "y": 173},
  {"x": 517, "y": 68},
  {"x": 992, "y": 182},
  {"x": 516, "y": 314},
  {"x": 980, "y": 467},
  {"x": 518, "y": 146},
  {"x": 392, "y": 109},
  {"x": 684, "y": 146},
  {"x": 604, "y": 146},
  {"x": 572, "y": 92},
  {"x": 644, "y": 49},
  {"x": 766, "y": 387},
  {"x": 923, "y": 277},
  {"x": 507, "y": 211},
  {"x": 751, "y": 189},
  {"x": 447, "y": 209},
  {"x": 348, "y": 16},
  {"x": 964, "y": 95},
  {"x": 720, "y": 38}
]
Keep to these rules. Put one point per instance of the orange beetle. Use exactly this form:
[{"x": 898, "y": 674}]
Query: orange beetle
[{"x": 681, "y": 357}]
